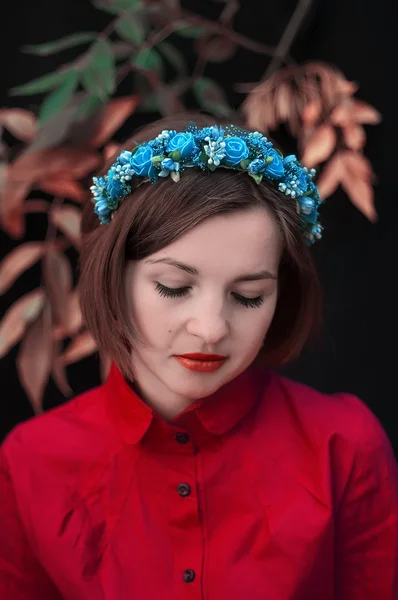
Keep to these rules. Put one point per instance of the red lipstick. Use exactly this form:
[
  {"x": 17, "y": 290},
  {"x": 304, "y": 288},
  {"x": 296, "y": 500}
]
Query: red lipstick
[{"x": 204, "y": 363}]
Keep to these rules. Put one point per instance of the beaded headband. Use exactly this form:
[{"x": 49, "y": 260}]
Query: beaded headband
[{"x": 170, "y": 153}]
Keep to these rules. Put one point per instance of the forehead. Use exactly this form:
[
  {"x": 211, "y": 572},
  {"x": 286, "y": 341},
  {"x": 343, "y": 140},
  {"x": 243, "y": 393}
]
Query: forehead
[{"x": 244, "y": 239}]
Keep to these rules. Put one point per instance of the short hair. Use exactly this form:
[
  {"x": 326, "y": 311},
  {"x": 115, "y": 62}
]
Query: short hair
[{"x": 154, "y": 216}]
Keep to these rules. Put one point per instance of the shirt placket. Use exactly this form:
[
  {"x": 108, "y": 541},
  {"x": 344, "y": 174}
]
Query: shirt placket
[{"x": 186, "y": 517}]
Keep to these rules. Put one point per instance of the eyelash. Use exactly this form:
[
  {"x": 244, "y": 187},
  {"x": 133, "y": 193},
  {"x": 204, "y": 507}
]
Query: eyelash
[{"x": 179, "y": 292}]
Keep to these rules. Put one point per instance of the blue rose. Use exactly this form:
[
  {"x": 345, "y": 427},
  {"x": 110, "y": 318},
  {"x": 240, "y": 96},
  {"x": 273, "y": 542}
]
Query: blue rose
[
  {"x": 184, "y": 142},
  {"x": 141, "y": 162},
  {"x": 114, "y": 188},
  {"x": 275, "y": 169},
  {"x": 235, "y": 150}
]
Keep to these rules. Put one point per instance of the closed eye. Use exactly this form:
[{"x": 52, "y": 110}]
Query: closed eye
[{"x": 179, "y": 292}]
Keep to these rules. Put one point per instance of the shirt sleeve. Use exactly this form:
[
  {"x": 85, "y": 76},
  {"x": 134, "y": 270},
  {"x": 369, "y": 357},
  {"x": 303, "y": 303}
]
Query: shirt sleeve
[
  {"x": 367, "y": 522},
  {"x": 21, "y": 575}
]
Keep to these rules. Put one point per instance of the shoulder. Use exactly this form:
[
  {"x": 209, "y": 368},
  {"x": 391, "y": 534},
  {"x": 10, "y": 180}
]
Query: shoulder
[
  {"x": 77, "y": 431},
  {"x": 340, "y": 414}
]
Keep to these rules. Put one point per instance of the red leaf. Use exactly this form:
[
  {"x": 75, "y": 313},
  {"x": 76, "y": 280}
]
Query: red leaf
[
  {"x": 361, "y": 195},
  {"x": 345, "y": 87},
  {"x": 83, "y": 345},
  {"x": 14, "y": 322},
  {"x": 356, "y": 181},
  {"x": 330, "y": 177},
  {"x": 320, "y": 146},
  {"x": 58, "y": 282},
  {"x": 35, "y": 358},
  {"x": 58, "y": 371},
  {"x": 111, "y": 150},
  {"x": 354, "y": 136},
  {"x": 21, "y": 123},
  {"x": 73, "y": 318},
  {"x": 17, "y": 261},
  {"x": 357, "y": 165},
  {"x": 65, "y": 188},
  {"x": 342, "y": 115},
  {"x": 67, "y": 219},
  {"x": 112, "y": 118},
  {"x": 311, "y": 113},
  {"x": 365, "y": 113}
]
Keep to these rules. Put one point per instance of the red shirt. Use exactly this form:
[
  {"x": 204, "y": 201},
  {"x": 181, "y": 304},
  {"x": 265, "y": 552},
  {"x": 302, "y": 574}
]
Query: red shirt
[{"x": 267, "y": 490}]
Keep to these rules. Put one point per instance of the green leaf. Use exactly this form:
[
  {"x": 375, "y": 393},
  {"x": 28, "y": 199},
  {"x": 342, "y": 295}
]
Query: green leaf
[
  {"x": 130, "y": 28},
  {"x": 39, "y": 85},
  {"x": 269, "y": 160},
  {"x": 99, "y": 78},
  {"x": 211, "y": 96},
  {"x": 149, "y": 104},
  {"x": 59, "y": 98},
  {"x": 69, "y": 41},
  {"x": 188, "y": 31},
  {"x": 174, "y": 57},
  {"x": 157, "y": 159},
  {"x": 88, "y": 106},
  {"x": 245, "y": 163},
  {"x": 256, "y": 176},
  {"x": 175, "y": 155},
  {"x": 115, "y": 7},
  {"x": 148, "y": 58}
]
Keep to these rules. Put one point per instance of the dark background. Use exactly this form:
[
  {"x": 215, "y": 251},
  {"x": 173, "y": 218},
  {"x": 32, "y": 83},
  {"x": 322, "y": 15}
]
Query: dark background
[{"x": 356, "y": 260}]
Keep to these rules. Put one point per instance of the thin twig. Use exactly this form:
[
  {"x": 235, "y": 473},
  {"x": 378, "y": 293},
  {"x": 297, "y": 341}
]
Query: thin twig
[{"x": 288, "y": 36}]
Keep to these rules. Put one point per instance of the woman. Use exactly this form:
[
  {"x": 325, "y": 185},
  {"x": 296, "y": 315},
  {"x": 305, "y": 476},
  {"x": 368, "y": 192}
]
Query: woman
[{"x": 196, "y": 471}]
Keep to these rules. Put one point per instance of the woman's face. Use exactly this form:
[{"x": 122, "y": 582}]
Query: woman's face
[{"x": 212, "y": 314}]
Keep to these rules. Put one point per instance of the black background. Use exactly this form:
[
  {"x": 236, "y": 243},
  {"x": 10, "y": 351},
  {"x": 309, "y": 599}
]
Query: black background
[{"x": 356, "y": 260}]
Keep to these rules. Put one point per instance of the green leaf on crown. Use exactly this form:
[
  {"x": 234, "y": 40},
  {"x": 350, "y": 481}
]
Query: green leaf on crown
[
  {"x": 211, "y": 167},
  {"x": 269, "y": 160},
  {"x": 245, "y": 163},
  {"x": 256, "y": 176},
  {"x": 175, "y": 155},
  {"x": 157, "y": 159},
  {"x": 203, "y": 157}
]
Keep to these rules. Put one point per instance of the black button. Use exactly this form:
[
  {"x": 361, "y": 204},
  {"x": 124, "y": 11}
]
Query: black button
[
  {"x": 189, "y": 575},
  {"x": 182, "y": 438},
  {"x": 184, "y": 489}
]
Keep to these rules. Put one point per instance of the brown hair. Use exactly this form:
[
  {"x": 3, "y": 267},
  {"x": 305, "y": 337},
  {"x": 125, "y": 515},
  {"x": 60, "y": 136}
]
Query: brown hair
[{"x": 154, "y": 216}]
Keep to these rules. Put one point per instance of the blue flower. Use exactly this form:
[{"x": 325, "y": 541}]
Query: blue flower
[
  {"x": 184, "y": 142},
  {"x": 275, "y": 169},
  {"x": 235, "y": 150},
  {"x": 114, "y": 188},
  {"x": 308, "y": 209},
  {"x": 256, "y": 166},
  {"x": 169, "y": 167},
  {"x": 102, "y": 210},
  {"x": 141, "y": 162}
]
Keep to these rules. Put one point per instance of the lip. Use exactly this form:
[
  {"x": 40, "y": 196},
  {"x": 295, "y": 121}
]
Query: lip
[
  {"x": 201, "y": 366},
  {"x": 200, "y": 356}
]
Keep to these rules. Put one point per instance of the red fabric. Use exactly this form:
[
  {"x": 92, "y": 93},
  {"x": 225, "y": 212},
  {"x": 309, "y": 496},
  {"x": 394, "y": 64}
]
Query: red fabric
[{"x": 293, "y": 495}]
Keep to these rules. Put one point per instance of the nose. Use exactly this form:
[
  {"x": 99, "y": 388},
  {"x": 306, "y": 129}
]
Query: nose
[{"x": 209, "y": 323}]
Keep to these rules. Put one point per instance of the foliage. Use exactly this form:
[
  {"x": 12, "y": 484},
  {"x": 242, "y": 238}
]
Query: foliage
[{"x": 81, "y": 109}]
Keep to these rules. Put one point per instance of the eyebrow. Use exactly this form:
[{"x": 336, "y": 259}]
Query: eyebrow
[{"x": 192, "y": 271}]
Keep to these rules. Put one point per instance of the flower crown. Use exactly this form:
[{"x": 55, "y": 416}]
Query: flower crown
[{"x": 170, "y": 153}]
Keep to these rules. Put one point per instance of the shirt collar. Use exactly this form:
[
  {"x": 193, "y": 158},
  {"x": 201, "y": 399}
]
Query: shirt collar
[{"x": 218, "y": 412}]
